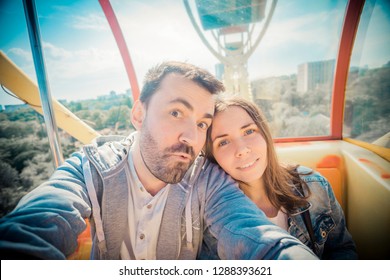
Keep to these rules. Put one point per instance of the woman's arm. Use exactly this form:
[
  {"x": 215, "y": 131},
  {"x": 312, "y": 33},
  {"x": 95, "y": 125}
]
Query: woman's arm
[{"x": 339, "y": 244}]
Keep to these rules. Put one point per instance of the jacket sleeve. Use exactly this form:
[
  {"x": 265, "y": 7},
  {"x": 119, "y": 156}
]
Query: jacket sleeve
[
  {"x": 240, "y": 229},
  {"x": 47, "y": 221},
  {"x": 339, "y": 244}
]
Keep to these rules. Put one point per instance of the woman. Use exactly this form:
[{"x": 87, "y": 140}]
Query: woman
[{"x": 240, "y": 141}]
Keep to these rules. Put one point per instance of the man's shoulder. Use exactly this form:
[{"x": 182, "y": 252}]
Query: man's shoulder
[
  {"x": 210, "y": 166},
  {"x": 202, "y": 167},
  {"x": 211, "y": 172},
  {"x": 103, "y": 139},
  {"x": 108, "y": 151}
]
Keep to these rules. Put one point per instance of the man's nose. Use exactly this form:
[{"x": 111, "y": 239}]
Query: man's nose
[{"x": 190, "y": 135}]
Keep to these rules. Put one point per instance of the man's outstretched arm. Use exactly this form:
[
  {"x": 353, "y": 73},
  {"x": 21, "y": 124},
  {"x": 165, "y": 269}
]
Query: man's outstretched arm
[
  {"x": 241, "y": 229},
  {"x": 47, "y": 221}
]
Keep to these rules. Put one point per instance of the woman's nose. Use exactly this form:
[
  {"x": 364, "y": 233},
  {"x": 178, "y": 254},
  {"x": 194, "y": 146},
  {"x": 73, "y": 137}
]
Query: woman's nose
[{"x": 242, "y": 149}]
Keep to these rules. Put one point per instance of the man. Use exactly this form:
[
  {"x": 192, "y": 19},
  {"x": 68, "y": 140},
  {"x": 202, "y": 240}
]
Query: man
[{"x": 151, "y": 195}]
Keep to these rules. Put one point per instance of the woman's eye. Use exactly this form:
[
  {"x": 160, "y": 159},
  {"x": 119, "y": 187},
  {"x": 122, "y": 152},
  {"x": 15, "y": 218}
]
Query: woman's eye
[
  {"x": 249, "y": 131},
  {"x": 203, "y": 126},
  {"x": 222, "y": 143}
]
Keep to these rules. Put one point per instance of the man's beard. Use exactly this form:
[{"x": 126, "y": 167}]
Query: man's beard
[{"x": 158, "y": 162}]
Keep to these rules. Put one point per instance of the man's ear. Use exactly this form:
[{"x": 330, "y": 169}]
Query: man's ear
[{"x": 138, "y": 114}]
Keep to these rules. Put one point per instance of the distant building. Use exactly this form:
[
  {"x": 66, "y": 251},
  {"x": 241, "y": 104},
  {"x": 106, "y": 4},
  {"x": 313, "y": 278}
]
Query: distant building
[
  {"x": 219, "y": 71},
  {"x": 112, "y": 95},
  {"x": 314, "y": 74}
]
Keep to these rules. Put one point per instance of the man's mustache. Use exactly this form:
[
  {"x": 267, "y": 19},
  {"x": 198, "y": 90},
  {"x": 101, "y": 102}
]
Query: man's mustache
[{"x": 181, "y": 148}]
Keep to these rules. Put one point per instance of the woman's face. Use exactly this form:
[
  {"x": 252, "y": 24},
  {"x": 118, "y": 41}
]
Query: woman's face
[{"x": 238, "y": 146}]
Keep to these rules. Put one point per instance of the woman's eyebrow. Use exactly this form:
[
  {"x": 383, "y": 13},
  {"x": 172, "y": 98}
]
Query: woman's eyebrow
[
  {"x": 247, "y": 125},
  {"x": 224, "y": 135},
  {"x": 219, "y": 136}
]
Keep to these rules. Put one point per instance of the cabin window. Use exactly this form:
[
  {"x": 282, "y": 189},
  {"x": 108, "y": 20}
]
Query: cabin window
[
  {"x": 292, "y": 69},
  {"x": 367, "y": 110},
  {"x": 290, "y": 72}
]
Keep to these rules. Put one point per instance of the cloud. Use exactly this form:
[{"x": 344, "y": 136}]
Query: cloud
[
  {"x": 90, "y": 22},
  {"x": 25, "y": 56},
  {"x": 84, "y": 73},
  {"x": 289, "y": 42},
  {"x": 154, "y": 31},
  {"x": 66, "y": 64},
  {"x": 162, "y": 32},
  {"x": 310, "y": 29},
  {"x": 55, "y": 52}
]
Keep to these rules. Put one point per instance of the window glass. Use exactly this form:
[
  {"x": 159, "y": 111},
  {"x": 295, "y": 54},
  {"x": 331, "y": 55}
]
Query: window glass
[
  {"x": 292, "y": 69},
  {"x": 281, "y": 54},
  {"x": 367, "y": 110}
]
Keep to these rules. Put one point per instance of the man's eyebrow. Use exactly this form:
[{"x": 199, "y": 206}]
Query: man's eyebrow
[
  {"x": 189, "y": 106},
  {"x": 184, "y": 102}
]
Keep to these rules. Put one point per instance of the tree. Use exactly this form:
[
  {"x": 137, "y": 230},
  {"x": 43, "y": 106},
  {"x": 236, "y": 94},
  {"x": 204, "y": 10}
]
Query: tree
[{"x": 8, "y": 176}]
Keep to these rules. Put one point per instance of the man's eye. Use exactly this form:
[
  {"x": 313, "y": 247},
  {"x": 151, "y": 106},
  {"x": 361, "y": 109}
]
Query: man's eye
[{"x": 176, "y": 114}]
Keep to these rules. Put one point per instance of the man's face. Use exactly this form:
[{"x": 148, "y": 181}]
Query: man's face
[{"x": 174, "y": 129}]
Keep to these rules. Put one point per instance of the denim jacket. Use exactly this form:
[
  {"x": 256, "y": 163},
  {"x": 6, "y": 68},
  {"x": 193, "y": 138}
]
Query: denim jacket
[
  {"x": 205, "y": 204},
  {"x": 332, "y": 239}
]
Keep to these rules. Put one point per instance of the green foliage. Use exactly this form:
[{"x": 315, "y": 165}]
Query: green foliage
[
  {"x": 37, "y": 170},
  {"x": 24, "y": 115},
  {"x": 9, "y": 197},
  {"x": 16, "y": 129},
  {"x": 25, "y": 157},
  {"x": 119, "y": 117},
  {"x": 75, "y": 106},
  {"x": 8, "y": 176},
  {"x": 368, "y": 99},
  {"x": 291, "y": 113},
  {"x": 16, "y": 151}
]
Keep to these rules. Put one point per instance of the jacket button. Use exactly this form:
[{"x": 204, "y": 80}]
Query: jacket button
[
  {"x": 142, "y": 236},
  {"x": 323, "y": 234}
]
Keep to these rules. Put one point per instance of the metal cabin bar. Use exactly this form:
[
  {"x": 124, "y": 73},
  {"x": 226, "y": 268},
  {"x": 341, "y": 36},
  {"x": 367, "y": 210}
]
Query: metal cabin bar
[{"x": 44, "y": 89}]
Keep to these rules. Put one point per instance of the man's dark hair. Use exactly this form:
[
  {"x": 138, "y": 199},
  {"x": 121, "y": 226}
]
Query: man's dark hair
[{"x": 201, "y": 77}]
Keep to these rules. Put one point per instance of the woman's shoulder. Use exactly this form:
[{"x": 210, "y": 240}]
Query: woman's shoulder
[
  {"x": 308, "y": 174},
  {"x": 320, "y": 189}
]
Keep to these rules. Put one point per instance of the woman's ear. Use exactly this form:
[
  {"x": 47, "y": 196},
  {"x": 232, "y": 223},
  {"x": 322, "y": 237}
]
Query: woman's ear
[{"x": 138, "y": 114}]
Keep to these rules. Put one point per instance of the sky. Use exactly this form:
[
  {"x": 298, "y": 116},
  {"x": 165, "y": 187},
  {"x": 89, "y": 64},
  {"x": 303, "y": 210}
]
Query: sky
[{"x": 83, "y": 61}]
